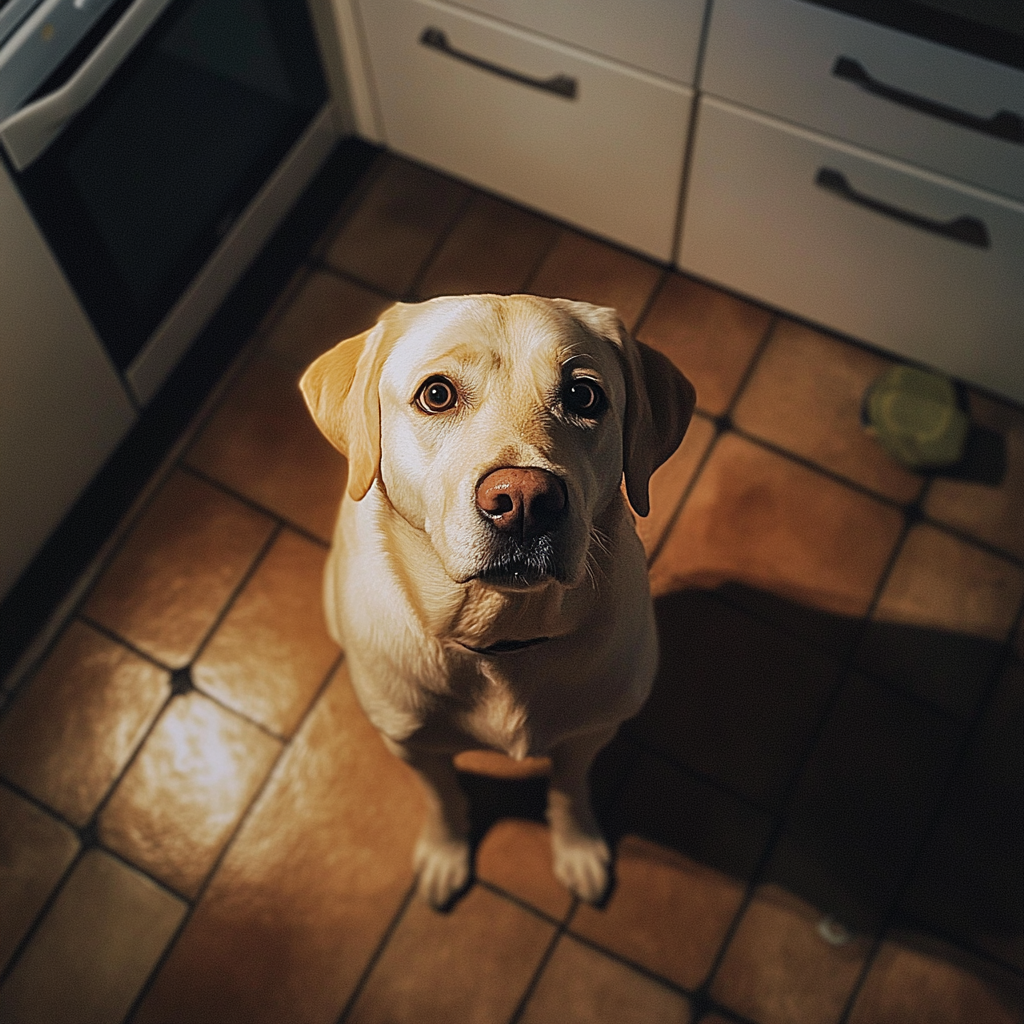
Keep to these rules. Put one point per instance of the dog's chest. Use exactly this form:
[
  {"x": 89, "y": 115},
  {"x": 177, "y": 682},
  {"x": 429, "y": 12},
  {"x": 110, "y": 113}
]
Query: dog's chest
[{"x": 498, "y": 716}]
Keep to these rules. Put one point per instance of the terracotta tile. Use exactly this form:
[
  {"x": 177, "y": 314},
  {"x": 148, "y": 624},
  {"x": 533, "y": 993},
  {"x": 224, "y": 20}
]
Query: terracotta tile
[
  {"x": 917, "y": 978},
  {"x": 990, "y": 511},
  {"x": 94, "y": 949},
  {"x": 862, "y": 804},
  {"x": 671, "y": 479},
  {"x": 68, "y": 735},
  {"x": 400, "y": 220},
  {"x": 942, "y": 619},
  {"x": 35, "y": 851},
  {"x": 806, "y": 395},
  {"x": 516, "y": 856},
  {"x": 580, "y": 986},
  {"x": 326, "y": 310},
  {"x": 470, "y": 965},
  {"x": 178, "y": 567},
  {"x": 494, "y": 247},
  {"x": 262, "y": 443},
  {"x": 779, "y": 970},
  {"x": 717, "y": 703},
  {"x": 710, "y": 335},
  {"x": 271, "y": 654},
  {"x": 578, "y": 267},
  {"x": 184, "y": 794},
  {"x": 970, "y": 883},
  {"x": 668, "y": 913},
  {"x": 680, "y": 874},
  {"x": 307, "y": 888},
  {"x": 788, "y": 541}
]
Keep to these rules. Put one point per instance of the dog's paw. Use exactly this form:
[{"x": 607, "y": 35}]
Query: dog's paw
[
  {"x": 581, "y": 864},
  {"x": 442, "y": 870}
]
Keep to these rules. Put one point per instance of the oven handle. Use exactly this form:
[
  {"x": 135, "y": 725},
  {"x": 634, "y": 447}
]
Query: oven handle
[{"x": 28, "y": 132}]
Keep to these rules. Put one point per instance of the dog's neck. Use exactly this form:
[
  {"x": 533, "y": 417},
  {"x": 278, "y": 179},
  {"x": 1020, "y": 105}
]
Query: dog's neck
[{"x": 478, "y": 615}]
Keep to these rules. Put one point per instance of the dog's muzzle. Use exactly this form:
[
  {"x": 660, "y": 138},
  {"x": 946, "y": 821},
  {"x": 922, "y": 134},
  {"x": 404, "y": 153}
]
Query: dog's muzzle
[{"x": 525, "y": 506}]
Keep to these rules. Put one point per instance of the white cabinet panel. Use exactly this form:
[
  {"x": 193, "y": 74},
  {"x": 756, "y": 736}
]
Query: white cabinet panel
[
  {"x": 806, "y": 64},
  {"x": 609, "y": 159},
  {"x": 62, "y": 407},
  {"x": 765, "y": 216},
  {"x": 662, "y": 36}
]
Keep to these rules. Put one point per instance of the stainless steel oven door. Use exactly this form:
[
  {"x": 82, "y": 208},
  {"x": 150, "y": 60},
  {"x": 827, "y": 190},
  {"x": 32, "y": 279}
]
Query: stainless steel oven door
[{"x": 160, "y": 155}]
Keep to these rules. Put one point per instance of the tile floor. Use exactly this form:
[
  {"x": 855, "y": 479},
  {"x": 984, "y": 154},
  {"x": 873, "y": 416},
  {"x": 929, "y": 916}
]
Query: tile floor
[{"x": 817, "y": 816}]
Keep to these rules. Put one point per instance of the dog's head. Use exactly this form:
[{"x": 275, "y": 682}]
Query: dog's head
[{"x": 501, "y": 426}]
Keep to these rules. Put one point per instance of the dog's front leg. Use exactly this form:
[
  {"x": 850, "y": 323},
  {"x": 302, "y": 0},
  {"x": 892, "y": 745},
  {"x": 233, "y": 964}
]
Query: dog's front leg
[
  {"x": 581, "y": 856},
  {"x": 442, "y": 857}
]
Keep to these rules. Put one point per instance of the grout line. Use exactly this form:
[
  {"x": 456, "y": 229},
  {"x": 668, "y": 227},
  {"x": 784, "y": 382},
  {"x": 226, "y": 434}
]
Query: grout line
[
  {"x": 378, "y": 952},
  {"x": 243, "y": 819},
  {"x": 281, "y": 522},
  {"x": 531, "y": 985},
  {"x": 412, "y": 293},
  {"x": 942, "y": 800}
]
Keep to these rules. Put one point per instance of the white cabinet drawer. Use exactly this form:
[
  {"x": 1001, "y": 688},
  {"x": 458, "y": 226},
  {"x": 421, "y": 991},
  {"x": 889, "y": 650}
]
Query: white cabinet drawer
[
  {"x": 609, "y": 158},
  {"x": 657, "y": 35},
  {"x": 909, "y": 261},
  {"x": 924, "y": 103}
]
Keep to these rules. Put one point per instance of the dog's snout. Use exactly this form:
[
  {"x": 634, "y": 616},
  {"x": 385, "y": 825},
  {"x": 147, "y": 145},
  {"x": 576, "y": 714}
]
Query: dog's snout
[{"x": 524, "y": 501}]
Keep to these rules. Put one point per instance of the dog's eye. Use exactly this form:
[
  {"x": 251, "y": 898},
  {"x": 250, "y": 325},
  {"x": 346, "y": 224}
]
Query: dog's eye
[
  {"x": 585, "y": 398},
  {"x": 437, "y": 394}
]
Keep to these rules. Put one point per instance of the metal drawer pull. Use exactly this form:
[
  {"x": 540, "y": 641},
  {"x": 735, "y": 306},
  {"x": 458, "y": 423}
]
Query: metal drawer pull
[
  {"x": 969, "y": 230},
  {"x": 1003, "y": 125},
  {"x": 560, "y": 85}
]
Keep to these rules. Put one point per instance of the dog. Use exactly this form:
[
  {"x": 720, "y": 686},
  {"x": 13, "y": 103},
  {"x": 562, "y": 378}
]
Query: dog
[{"x": 485, "y": 580}]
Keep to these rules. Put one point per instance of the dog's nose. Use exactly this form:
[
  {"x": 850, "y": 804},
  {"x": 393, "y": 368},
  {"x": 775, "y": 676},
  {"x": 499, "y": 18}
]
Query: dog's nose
[{"x": 522, "y": 500}]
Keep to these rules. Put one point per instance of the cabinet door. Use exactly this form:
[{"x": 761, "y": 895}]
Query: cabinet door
[
  {"x": 952, "y": 112},
  {"x": 593, "y": 142},
  {"x": 909, "y": 261},
  {"x": 62, "y": 407}
]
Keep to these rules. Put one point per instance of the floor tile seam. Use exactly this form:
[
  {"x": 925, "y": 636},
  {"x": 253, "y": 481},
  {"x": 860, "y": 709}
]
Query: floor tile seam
[
  {"x": 354, "y": 279},
  {"x": 548, "y": 249},
  {"x": 55, "y": 893},
  {"x": 349, "y": 205},
  {"x": 695, "y": 774},
  {"x": 687, "y": 491},
  {"x": 39, "y": 650},
  {"x": 722, "y": 425},
  {"x": 816, "y": 467},
  {"x": 968, "y": 538},
  {"x": 412, "y": 292},
  {"x": 520, "y": 901},
  {"x": 545, "y": 959},
  {"x": 905, "y": 920},
  {"x": 377, "y": 953},
  {"x": 927, "y": 832},
  {"x": 698, "y": 998},
  {"x": 281, "y": 523},
  {"x": 648, "y": 303},
  {"x": 192, "y": 903},
  {"x": 779, "y": 824}
]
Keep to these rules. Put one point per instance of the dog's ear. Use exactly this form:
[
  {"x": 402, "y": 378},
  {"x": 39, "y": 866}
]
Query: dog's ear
[
  {"x": 659, "y": 400},
  {"x": 340, "y": 389}
]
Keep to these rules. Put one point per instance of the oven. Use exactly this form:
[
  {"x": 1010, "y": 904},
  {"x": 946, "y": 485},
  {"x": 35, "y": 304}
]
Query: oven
[{"x": 157, "y": 143}]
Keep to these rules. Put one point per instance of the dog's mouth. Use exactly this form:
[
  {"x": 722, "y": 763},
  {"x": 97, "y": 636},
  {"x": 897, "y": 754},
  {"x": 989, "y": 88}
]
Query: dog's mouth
[
  {"x": 508, "y": 646},
  {"x": 520, "y": 565}
]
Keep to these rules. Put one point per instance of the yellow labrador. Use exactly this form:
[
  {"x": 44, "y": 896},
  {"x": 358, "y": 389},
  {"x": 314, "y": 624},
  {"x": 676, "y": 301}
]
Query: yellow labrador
[{"x": 486, "y": 581}]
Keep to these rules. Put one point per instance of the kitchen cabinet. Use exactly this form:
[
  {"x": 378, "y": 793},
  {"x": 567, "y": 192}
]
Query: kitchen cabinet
[
  {"x": 844, "y": 171},
  {"x": 63, "y": 409},
  {"x": 866, "y": 180},
  {"x": 572, "y": 132}
]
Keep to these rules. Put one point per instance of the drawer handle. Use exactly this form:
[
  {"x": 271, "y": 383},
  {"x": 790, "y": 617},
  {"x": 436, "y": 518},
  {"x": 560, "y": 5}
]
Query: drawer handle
[
  {"x": 969, "y": 230},
  {"x": 560, "y": 85},
  {"x": 1003, "y": 125}
]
